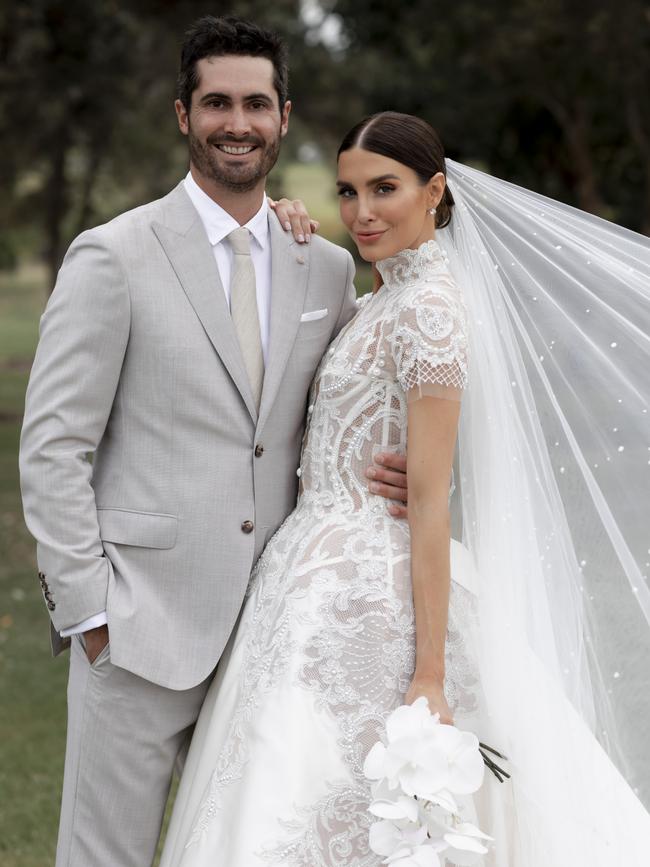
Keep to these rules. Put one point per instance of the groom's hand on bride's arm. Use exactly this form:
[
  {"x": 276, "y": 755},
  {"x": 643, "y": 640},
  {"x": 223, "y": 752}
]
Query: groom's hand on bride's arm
[
  {"x": 387, "y": 477},
  {"x": 294, "y": 218},
  {"x": 95, "y": 640}
]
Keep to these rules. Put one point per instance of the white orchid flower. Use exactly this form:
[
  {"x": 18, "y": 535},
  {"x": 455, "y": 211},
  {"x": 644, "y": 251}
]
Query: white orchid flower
[
  {"x": 391, "y": 839},
  {"x": 422, "y": 856},
  {"x": 465, "y": 846},
  {"x": 404, "y": 846},
  {"x": 422, "y": 772},
  {"x": 466, "y": 766},
  {"x": 392, "y": 804},
  {"x": 442, "y": 798},
  {"x": 424, "y": 756},
  {"x": 437, "y": 820}
]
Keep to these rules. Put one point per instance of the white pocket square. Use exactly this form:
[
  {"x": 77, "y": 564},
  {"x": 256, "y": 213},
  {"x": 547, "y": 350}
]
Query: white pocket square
[{"x": 314, "y": 314}]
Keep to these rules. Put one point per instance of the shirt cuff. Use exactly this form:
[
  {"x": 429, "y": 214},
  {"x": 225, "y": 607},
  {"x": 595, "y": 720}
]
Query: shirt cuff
[{"x": 91, "y": 623}]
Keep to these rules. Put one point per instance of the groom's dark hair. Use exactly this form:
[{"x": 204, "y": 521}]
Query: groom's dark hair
[{"x": 219, "y": 37}]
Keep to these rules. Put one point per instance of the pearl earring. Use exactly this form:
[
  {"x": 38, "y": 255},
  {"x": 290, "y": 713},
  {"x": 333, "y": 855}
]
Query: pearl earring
[{"x": 432, "y": 211}]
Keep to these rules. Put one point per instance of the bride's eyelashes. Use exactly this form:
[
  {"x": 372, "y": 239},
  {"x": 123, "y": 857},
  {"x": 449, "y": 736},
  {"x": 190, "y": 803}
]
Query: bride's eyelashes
[{"x": 380, "y": 189}]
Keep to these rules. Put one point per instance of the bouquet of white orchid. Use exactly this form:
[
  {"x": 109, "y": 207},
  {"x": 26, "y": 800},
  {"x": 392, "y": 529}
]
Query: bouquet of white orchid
[{"x": 419, "y": 775}]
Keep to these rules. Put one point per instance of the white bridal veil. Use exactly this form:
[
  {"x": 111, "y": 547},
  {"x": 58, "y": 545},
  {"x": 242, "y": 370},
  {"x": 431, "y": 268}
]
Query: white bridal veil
[{"x": 554, "y": 494}]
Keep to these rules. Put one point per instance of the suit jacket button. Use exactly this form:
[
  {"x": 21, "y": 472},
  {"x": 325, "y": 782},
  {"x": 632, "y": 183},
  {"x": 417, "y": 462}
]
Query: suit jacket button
[
  {"x": 51, "y": 605},
  {"x": 259, "y": 450},
  {"x": 247, "y": 527}
]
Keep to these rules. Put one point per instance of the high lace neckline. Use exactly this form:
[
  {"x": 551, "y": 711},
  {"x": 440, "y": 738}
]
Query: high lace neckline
[{"x": 411, "y": 266}]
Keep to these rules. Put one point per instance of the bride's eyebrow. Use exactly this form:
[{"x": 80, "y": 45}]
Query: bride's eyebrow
[{"x": 371, "y": 182}]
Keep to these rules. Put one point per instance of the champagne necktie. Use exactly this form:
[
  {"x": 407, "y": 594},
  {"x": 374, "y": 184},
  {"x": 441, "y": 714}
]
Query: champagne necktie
[{"x": 243, "y": 309}]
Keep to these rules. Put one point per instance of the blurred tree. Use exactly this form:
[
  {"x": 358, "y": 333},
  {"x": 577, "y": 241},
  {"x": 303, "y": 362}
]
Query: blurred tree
[
  {"x": 86, "y": 107},
  {"x": 64, "y": 73},
  {"x": 552, "y": 94}
]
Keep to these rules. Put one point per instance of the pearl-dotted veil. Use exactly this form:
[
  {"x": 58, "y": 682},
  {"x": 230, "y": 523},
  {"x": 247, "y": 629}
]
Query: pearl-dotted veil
[{"x": 554, "y": 486}]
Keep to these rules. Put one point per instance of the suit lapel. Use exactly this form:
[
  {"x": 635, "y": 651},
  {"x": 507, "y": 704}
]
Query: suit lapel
[
  {"x": 184, "y": 241},
  {"x": 289, "y": 272}
]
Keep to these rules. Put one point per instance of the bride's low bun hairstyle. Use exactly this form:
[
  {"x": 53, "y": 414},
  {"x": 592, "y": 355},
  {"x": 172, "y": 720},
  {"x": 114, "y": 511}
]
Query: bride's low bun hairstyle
[{"x": 408, "y": 140}]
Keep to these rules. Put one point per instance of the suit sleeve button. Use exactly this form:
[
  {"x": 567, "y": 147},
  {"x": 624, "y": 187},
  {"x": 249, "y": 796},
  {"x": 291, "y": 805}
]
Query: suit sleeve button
[
  {"x": 247, "y": 527},
  {"x": 51, "y": 605},
  {"x": 259, "y": 450}
]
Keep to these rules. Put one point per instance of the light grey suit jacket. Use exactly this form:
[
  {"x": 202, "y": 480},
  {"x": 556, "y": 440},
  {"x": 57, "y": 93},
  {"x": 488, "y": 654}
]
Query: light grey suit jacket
[{"x": 142, "y": 454}]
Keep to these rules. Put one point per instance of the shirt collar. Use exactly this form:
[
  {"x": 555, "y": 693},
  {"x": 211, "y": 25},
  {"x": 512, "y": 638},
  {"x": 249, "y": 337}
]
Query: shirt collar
[{"x": 218, "y": 223}]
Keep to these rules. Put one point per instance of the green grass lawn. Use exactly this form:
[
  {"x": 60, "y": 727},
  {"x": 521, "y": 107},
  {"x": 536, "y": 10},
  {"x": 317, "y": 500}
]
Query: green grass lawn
[{"x": 32, "y": 684}]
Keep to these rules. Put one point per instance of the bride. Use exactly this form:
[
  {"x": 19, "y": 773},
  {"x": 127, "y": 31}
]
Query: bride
[{"x": 351, "y": 612}]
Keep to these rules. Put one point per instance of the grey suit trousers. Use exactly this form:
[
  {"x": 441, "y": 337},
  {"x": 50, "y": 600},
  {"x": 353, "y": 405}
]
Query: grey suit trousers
[{"x": 124, "y": 736}]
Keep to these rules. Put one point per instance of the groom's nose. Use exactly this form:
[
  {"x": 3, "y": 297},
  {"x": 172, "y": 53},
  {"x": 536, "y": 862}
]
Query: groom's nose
[{"x": 237, "y": 123}]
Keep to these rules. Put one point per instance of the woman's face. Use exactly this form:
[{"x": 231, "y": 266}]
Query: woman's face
[{"x": 383, "y": 204}]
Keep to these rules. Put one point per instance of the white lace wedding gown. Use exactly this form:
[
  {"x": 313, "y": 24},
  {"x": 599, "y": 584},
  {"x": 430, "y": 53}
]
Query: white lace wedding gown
[{"x": 324, "y": 649}]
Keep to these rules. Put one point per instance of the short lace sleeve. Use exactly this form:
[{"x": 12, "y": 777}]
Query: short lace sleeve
[{"x": 430, "y": 344}]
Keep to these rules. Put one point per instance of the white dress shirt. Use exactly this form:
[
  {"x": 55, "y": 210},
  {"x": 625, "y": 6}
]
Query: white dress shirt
[{"x": 218, "y": 225}]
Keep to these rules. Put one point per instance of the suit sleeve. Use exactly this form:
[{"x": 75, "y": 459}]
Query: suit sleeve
[
  {"x": 349, "y": 303},
  {"x": 83, "y": 338}
]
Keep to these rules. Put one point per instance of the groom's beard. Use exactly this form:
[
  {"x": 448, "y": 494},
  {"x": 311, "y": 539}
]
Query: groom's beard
[{"x": 242, "y": 178}]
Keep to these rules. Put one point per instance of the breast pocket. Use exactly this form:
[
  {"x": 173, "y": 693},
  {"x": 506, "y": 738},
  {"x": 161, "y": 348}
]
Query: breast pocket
[{"x": 315, "y": 329}]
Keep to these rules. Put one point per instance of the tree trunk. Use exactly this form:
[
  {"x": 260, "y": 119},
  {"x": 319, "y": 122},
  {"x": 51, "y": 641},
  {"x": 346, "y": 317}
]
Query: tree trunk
[
  {"x": 95, "y": 156},
  {"x": 56, "y": 196},
  {"x": 641, "y": 139},
  {"x": 575, "y": 126}
]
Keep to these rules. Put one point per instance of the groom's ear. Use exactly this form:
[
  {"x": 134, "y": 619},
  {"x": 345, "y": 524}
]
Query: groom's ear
[
  {"x": 284, "y": 123},
  {"x": 181, "y": 115}
]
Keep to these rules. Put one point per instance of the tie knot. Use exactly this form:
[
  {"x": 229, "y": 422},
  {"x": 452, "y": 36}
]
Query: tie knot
[{"x": 240, "y": 241}]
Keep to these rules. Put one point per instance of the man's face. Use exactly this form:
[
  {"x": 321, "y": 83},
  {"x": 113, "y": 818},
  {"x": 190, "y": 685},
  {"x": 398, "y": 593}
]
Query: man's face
[{"x": 235, "y": 124}]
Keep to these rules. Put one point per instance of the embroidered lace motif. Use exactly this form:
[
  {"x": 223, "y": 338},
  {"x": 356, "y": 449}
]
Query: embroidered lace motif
[
  {"x": 330, "y": 608},
  {"x": 429, "y": 342}
]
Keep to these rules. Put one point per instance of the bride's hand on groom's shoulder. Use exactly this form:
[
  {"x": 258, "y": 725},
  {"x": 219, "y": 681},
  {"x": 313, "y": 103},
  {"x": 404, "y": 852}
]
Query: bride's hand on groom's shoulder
[
  {"x": 433, "y": 690},
  {"x": 293, "y": 217}
]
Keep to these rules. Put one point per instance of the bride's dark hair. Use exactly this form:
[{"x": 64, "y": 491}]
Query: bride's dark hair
[{"x": 409, "y": 140}]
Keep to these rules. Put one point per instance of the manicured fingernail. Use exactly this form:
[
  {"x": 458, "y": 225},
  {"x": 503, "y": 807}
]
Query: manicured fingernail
[
  {"x": 374, "y": 487},
  {"x": 307, "y": 239},
  {"x": 371, "y": 472},
  {"x": 287, "y": 226},
  {"x": 379, "y": 459},
  {"x": 301, "y": 239}
]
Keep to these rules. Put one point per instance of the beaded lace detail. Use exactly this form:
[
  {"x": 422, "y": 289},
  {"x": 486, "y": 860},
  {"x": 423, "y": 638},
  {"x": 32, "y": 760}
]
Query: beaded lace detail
[
  {"x": 414, "y": 266},
  {"x": 329, "y": 615},
  {"x": 429, "y": 342}
]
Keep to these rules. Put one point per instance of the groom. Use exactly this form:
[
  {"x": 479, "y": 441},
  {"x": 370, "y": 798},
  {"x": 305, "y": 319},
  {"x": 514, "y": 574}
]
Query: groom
[{"x": 162, "y": 433}]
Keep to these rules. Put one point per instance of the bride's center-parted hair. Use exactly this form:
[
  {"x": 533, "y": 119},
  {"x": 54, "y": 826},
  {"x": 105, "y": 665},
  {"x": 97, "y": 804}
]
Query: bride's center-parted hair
[{"x": 391, "y": 184}]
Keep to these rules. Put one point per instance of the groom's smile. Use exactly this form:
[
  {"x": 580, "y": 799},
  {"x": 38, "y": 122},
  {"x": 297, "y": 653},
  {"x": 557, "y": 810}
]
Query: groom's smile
[
  {"x": 236, "y": 151},
  {"x": 234, "y": 123}
]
